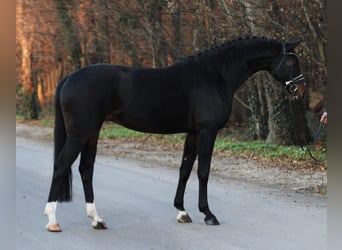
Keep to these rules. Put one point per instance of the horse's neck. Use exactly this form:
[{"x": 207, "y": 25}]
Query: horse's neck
[{"x": 250, "y": 63}]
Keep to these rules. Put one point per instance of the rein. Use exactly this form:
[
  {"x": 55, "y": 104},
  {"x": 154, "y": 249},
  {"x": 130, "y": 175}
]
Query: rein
[
  {"x": 313, "y": 143},
  {"x": 310, "y": 145}
]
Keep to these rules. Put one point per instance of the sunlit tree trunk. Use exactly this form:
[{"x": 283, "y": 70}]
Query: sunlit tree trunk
[{"x": 25, "y": 31}]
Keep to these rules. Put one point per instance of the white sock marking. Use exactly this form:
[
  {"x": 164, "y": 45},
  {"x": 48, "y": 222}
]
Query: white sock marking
[
  {"x": 92, "y": 213},
  {"x": 50, "y": 211},
  {"x": 180, "y": 214}
]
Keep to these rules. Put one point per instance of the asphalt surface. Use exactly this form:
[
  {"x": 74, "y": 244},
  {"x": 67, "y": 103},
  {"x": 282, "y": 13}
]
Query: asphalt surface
[{"x": 135, "y": 200}]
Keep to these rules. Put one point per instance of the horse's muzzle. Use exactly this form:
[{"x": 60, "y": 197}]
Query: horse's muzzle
[{"x": 300, "y": 91}]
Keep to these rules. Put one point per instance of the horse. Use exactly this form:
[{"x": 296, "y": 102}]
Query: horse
[{"x": 192, "y": 96}]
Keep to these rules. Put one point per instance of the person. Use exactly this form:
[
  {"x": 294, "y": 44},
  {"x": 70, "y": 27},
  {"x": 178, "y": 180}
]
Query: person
[{"x": 324, "y": 118}]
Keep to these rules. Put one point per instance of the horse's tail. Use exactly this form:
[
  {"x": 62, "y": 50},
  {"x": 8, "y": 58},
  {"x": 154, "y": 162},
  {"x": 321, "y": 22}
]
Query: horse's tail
[{"x": 60, "y": 135}]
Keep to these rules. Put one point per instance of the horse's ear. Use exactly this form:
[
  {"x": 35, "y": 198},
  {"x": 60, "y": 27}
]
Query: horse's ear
[{"x": 290, "y": 46}]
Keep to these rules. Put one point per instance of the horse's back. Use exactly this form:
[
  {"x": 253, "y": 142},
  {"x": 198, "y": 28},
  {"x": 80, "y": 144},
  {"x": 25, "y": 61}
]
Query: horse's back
[
  {"x": 92, "y": 78},
  {"x": 163, "y": 100}
]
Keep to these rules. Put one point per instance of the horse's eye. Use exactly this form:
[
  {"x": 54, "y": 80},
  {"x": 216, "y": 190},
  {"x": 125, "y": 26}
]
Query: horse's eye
[{"x": 291, "y": 63}]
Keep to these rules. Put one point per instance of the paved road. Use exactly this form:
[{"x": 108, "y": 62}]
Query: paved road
[{"x": 136, "y": 202}]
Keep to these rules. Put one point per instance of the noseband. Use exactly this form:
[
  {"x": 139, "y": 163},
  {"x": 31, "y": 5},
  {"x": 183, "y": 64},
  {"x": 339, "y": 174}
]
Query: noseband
[{"x": 291, "y": 85}]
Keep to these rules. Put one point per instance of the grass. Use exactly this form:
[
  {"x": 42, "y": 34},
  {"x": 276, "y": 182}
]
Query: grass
[
  {"x": 112, "y": 131},
  {"x": 228, "y": 143},
  {"x": 45, "y": 121},
  {"x": 259, "y": 148}
]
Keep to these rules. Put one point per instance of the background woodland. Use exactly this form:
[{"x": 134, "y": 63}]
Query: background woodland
[{"x": 56, "y": 37}]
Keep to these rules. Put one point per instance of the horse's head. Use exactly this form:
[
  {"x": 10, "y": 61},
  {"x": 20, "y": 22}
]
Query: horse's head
[{"x": 286, "y": 69}]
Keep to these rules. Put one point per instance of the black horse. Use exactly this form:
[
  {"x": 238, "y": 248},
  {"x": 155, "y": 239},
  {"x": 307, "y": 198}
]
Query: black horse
[{"x": 192, "y": 96}]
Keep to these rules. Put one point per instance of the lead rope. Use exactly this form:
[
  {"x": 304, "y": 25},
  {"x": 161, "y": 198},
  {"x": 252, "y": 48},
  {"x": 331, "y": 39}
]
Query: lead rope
[{"x": 310, "y": 146}]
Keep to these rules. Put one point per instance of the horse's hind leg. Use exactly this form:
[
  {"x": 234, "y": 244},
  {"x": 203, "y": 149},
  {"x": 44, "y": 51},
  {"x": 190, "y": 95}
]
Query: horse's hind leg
[
  {"x": 86, "y": 170},
  {"x": 61, "y": 189},
  {"x": 188, "y": 159}
]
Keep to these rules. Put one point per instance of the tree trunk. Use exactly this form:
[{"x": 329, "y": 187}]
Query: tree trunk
[
  {"x": 286, "y": 121},
  {"x": 25, "y": 37},
  {"x": 103, "y": 44},
  {"x": 177, "y": 29},
  {"x": 256, "y": 93},
  {"x": 154, "y": 16},
  {"x": 72, "y": 37},
  {"x": 257, "y": 101}
]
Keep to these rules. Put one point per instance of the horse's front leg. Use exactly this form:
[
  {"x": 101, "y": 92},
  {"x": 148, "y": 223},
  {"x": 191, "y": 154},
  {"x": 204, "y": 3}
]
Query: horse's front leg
[
  {"x": 188, "y": 159},
  {"x": 205, "y": 150}
]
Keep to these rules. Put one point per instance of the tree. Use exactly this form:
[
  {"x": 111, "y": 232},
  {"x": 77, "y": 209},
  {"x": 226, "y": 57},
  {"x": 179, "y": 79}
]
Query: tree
[
  {"x": 55, "y": 37},
  {"x": 273, "y": 115},
  {"x": 72, "y": 37},
  {"x": 25, "y": 36}
]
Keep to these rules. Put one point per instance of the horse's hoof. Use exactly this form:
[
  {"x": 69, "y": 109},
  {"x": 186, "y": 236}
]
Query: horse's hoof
[
  {"x": 55, "y": 228},
  {"x": 100, "y": 225},
  {"x": 183, "y": 217},
  {"x": 211, "y": 221}
]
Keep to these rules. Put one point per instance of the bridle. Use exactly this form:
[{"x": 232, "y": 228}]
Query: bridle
[{"x": 291, "y": 85}]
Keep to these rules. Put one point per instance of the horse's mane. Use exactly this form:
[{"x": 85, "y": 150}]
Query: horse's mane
[{"x": 229, "y": 43}]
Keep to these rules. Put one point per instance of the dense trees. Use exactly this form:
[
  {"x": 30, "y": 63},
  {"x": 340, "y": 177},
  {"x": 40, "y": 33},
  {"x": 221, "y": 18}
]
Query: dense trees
[{"x": 55, "y": 37}]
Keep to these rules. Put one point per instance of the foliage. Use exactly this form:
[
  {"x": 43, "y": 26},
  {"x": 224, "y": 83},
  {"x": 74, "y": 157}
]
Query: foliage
[{"x": 57, "y": 37}]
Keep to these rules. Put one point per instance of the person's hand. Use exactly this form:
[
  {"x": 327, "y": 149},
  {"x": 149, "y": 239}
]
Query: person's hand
[{"x": 324, "y": 118}]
